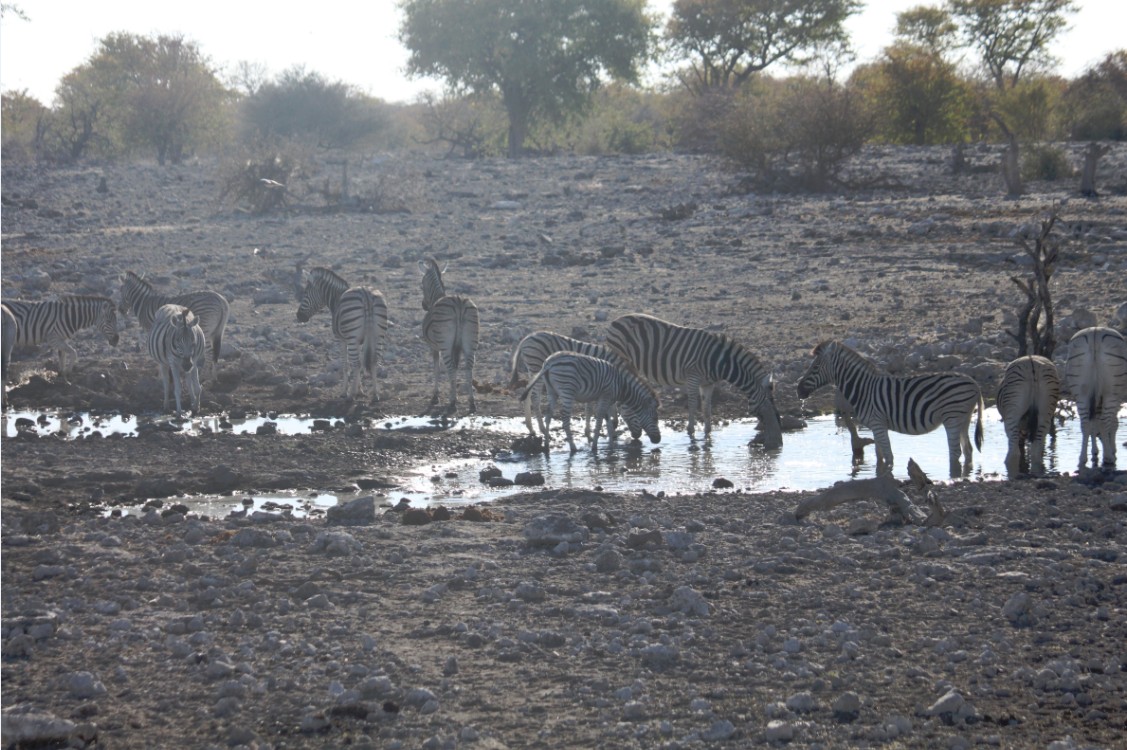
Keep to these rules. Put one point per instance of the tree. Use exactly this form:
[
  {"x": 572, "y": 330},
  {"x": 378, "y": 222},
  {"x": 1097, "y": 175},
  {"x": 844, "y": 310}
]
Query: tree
[
  {"x": 304, "y": 105},
  {"x": 545, "y": 57},
  {"x": 1095, "y": 104},
  {"x": 1012, "y": 38},
  {"x": 728, "y": 41},
  {"x": 23, "y": 124}
]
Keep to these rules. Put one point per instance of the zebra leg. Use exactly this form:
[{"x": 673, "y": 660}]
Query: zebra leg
[
  {"x": 452, "y": 372},
  {"x": 883, "y": 449},
  {"x": 706, "y": 407},
  {"x": 1109, "y": 417},
  {"x": 195, "y": 387},
  {"x": 437, "y": 370},
  {"x": 1013, "y": 453},
  {"x": 692, "y": 392},
  {"x": 469, "y": 362},
  {"x": 346, "y": 368},
  {"x": 957, "y": 439},
  {"x": 165, "y": 377},
  {"x": 565, "y": 417}
]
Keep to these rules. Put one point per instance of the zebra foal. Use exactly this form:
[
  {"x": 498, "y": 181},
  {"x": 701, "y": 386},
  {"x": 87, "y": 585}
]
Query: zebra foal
[
  {"x": 913, "y": 405},
  {"x": 1096, "y": 373},
  {"x": 138, "y": 297},
  {"x": 450, "y": 329},
  {"x": 570, "y": 377},
  {"x": 52, "y": 322},
  {"x": 359, "y": 318},
  {"x": 670, "y": 355},
  {"x": 529, "y": 356},
  {"x": 1027, "y": 400},
  {"x": 179, "y": 346}
]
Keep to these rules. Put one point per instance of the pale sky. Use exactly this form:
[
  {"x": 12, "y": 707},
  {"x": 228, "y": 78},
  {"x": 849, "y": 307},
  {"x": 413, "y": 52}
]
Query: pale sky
[{"x": 355, "y": 41}]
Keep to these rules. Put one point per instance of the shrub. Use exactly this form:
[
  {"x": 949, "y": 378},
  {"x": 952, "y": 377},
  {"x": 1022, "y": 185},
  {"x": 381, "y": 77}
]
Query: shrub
[{"x": 1045, "y": 163}]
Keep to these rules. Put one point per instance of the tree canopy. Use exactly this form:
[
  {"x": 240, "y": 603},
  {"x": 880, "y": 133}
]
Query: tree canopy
[
  {"x": 545, "y": 57},
  {"x": 727, "y": 41},
  {"x": 1011, "y": 36}
]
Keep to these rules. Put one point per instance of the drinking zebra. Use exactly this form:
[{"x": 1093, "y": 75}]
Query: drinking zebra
[
  {"x": 450, "y": 329},
  {"x": 52, "y": 322},
  {"x": 211, "y": 308},
  {"x": 179, "y": 346},
  {"x": 670, "y": 355},
  {"x": 1096, "y": 373},
  {"x": 359, "y": 317},
  {"x": 529, "y": 356},
  {"x": 913, "y": 405},
  {"x": 571, "y": 377},
  {"x": 1027, "y": 400}
]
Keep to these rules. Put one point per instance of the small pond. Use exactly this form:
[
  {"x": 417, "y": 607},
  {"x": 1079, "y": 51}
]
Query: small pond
[{"x": 811, "y": 458}]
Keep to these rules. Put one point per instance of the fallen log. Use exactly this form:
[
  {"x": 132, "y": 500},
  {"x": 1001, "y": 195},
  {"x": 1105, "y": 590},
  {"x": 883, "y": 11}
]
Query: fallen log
[{"x": 885, "y": 487}]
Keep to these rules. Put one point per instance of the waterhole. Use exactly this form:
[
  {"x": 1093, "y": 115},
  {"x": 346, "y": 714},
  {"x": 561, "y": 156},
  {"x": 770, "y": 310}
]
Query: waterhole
[{"x": 813, "y": 457}]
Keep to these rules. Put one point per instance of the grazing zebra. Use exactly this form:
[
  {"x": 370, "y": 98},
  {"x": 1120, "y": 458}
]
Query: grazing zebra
[
  {"x": 450, "y": 329},
  {"x": 179, "y": 345},
  {"x": 529, "y": 356},
  {"x": 359, "y": 323},
  {"x": 54, "y": 321},
  {"x": 1027, "y": 400},
  {"x": 669, "y": 355},
  {"x": 913, "y": 405},
  {"x": 1096, "y": 373},
  {"x": 571, "y": 377},
  {"x": 211, "y": 308}
]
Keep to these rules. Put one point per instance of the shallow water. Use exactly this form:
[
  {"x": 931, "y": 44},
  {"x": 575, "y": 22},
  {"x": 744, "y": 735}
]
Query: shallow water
[{"x": 811, "y": 458}]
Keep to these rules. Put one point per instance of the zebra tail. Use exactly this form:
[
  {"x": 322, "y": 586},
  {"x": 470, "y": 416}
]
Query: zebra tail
[
  {"x": 514, "y": 367},
  {"x": 531, "y": 384},
  {"x": 1032, "y": 422},
  {"x": 978, "y": 427},
  {"x": 371, "y": 338}
]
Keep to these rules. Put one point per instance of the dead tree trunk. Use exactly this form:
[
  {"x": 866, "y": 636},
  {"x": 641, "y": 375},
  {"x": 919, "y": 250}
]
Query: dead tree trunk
[
  {"x": 1035, "y": 335},
  {"x": 1092, "y": 155},
  {"x": 1011, "y": 160}
]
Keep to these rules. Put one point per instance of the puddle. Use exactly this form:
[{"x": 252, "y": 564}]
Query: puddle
[{"x": 811, "y": 458}]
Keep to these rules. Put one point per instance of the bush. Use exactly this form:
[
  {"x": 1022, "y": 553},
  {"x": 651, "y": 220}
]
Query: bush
[
  {"x": 262, "y": 179},
  {"x": 1045, "y": 163}
]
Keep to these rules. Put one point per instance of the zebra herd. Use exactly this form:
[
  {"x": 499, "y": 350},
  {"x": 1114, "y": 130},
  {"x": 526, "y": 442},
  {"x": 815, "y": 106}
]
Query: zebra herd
[{"x": 183, "y": 335}]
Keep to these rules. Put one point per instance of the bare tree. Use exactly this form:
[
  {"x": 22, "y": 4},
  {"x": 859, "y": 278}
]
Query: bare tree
[{"x": 1034, "y": 333}]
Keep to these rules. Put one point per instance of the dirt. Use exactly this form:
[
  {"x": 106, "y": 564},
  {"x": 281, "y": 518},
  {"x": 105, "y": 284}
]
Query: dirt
[{"x": 561, "y": 616}]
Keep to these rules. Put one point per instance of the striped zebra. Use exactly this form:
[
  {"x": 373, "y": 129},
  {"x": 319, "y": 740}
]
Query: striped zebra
[
  {"x": 52, "y": 322},
  {"x": 450, "y": 329},
  {"x": 913, "y": 405},
  {"x": 1096, "y": 373},
  {"x": 138, "y": 297},
  {"x": 571, "y": 377},
  {"x": 529, "y": 356},
  {"x": 671, "y": 355},
  {"x": 1027, "y": 400},
  {"x": 179, "y": 346},
  {"x": 359, "y": 316}
]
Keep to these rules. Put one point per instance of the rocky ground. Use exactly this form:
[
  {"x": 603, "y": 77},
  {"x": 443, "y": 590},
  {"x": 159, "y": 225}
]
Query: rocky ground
[{"x": 564, "y": 616}]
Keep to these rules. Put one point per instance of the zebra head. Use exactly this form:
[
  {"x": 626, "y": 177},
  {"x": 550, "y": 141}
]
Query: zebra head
[
  {"x": 184, "y": 339},
  {"x": 762, "y": 403},
  {"x": 107, "y": 322},
  {"x": 820, "y": 372},
  {"x": 642, "y": 418},
  {"x": 323, "y": 288},
  {"x": 133, "y": 290},
  {"x": 433, "y": 287}
]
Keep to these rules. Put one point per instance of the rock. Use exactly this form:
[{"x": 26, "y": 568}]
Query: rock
[
  {"x": 949, "y": 704},
  {"x": 336, "y": 544},
  {"x": 689, "y": 602},
  {"x": 358, "y": 512},
  {"x": 550, "y": 530},
  {"x": 83, "y": 685}
]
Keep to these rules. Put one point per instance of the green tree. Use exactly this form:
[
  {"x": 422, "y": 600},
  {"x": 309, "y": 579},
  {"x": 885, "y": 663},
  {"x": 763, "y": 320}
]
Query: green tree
[
  {"x": 306, "y": 106},
  {"x": 916, "y": 92},
  {"x": 1012, "y": 39},
  {"x": 1095, "y": 104},
  {"x": 545, "y": 57},
  {"x": 727, "y": 41}
]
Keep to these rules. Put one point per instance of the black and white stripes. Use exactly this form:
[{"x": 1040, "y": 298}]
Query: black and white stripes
[
  {"x": 571, "y": 377},
  {"x": 912, "y": 405},
  {"x": 1027, "y": 400},
  {"x": 52, "y": 322},
  {"x": 179, "y": 346},
  {"x": 1096, "y": 374},
  {"x": 359, "y": 319},
  {"x": 450, "y": 329},
  {"x": 667, "y": 354},
  {"x": 211, "y": 308}
]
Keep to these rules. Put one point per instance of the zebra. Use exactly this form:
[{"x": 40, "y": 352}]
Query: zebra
[
  {"x": 138, "y": 297},
  {"x": 668, "y": 354},
  {"x": 7, "y": 341},
  {"x": 1096, "y": 373},
  {"x": 529, "y": 356},
  {"x": 179, "y": 346},
  {"x": 571, "y": 377},
  {"x": 54, "y": 321},
  {"x": 450, "y": 329},
  {"x": 913, "y": 405},
  {"x": 1027, "y": 400},
  {"x": 359, "y": 316}
]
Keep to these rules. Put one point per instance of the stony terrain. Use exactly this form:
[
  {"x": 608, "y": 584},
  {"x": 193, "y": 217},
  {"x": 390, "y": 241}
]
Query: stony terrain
[{"x": 564, "y": 616}]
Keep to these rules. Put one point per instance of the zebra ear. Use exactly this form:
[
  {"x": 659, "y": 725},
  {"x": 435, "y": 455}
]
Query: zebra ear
[{"x": 423, "y": 266}]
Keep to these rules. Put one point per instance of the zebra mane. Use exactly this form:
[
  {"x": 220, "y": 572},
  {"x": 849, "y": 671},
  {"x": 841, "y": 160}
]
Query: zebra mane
[
  {"x": 138, "y": 280},
  {"x": 632, "y": 375},
  {"x": 848, "y": 353},
  {"x": 320, "y": 273}
]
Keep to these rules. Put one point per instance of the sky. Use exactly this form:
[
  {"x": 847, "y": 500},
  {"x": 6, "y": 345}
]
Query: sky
[{"x": 355, "y": 40}]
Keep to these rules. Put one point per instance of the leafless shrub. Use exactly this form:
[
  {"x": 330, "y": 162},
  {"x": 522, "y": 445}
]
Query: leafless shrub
[{"x": 262, "y": 181}]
